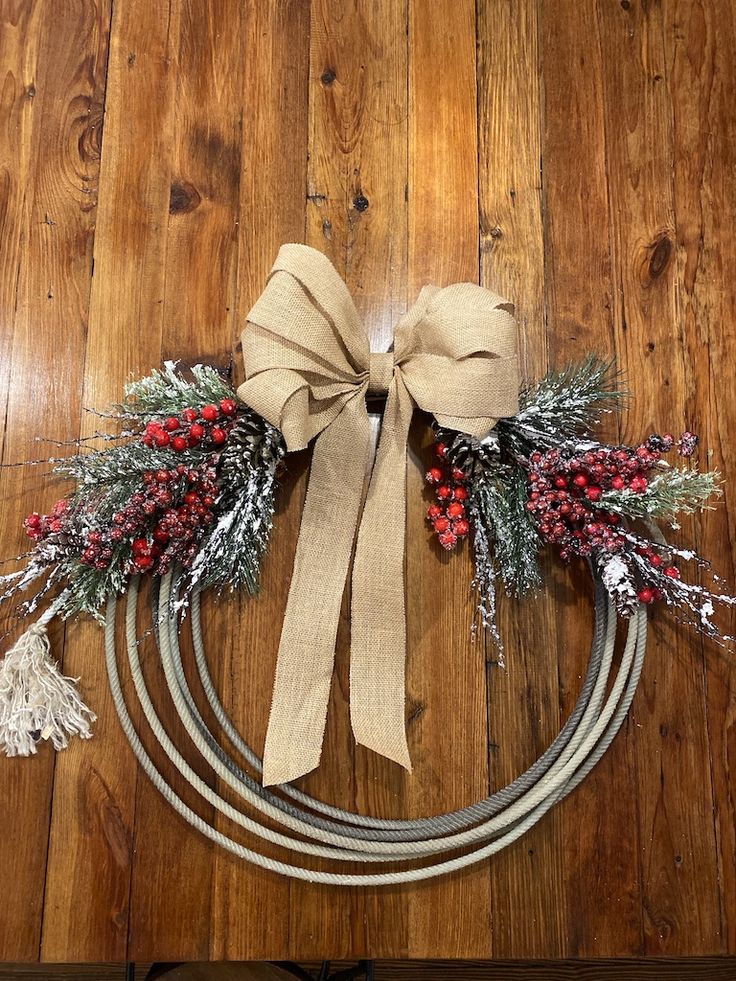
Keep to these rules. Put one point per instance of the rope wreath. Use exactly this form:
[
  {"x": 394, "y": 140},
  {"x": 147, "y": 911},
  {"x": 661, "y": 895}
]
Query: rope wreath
[
  {"x": 186, "y": 497},
  {"x": 484, "y": 827}
]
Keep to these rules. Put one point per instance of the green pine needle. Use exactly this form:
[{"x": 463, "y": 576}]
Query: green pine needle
[
  {"x": 166, "y": 392},
  {"x": 670, "y": 492},
  {"x": 498, "y": 503}
]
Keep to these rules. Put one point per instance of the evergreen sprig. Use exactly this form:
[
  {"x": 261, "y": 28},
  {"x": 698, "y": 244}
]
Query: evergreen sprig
[
  {"x": 498, "y": 504},
  {"x": 166, "y": 391},
  {"x": 672, "y": 490},
  {"x": 565, "y": 404}
]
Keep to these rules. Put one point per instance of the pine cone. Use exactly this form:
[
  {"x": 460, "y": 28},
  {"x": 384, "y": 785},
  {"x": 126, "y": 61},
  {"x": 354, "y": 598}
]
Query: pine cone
[
  {"x": 253, "y": 444},
  {"x": 474, "y": 456}
]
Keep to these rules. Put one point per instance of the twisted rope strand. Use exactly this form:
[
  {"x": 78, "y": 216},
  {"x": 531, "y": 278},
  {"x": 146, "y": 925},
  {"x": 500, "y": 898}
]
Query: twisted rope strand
[{"x": 494, "y": 822}]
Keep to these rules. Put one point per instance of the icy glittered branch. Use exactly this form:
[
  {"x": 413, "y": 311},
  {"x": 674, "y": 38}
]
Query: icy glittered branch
[
  {"x": 541, "y": 478},
  {"x": 186, "y": 483}
]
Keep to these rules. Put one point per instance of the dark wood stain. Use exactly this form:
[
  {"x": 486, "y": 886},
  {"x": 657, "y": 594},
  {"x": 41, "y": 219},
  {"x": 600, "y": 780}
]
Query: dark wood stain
[{"x": 576, "y": 158}]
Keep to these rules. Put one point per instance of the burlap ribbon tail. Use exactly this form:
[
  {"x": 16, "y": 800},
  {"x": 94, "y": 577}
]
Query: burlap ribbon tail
[{"x": 308, "y": 369}]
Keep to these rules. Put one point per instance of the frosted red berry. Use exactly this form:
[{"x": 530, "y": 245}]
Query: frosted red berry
[{"x": 209, "y": 413}]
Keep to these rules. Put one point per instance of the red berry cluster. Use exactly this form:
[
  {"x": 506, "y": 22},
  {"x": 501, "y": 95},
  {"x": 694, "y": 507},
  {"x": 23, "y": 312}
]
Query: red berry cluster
[
  {"x": 649, "y": 592},
  {"x": 40, "y": 527},
  {"x": 208, "y": 427},
  {"x": 566, "y": 486},
  {"x": 163, "y": 520},
  {"x": 447, "y": 516}
]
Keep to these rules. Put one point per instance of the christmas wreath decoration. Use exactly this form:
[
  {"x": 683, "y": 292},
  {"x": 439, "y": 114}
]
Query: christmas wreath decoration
[{"x": 184, "y": 495}]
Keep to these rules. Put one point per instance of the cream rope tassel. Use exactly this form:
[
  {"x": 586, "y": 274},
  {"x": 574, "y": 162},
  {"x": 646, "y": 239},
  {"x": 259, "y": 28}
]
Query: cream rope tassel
[{"x": 36, "y": 700}]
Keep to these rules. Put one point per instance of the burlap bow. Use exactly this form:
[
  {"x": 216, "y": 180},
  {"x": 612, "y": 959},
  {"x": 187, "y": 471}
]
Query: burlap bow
[{"x": 308, "y": 368}]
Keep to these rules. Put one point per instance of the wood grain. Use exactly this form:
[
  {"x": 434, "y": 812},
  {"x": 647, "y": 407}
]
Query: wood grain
[
  {"x": 700, "y": 85},
  {"x": 356, "y": 214},
  {"x": 52, "y": 95},
  {"x": 578, "y": 158},
  {"x": 600, "y": 852},
  {"x": 446, "y": 681},
  {"x": 249, "y": 906},
  {"x": 523, "y": 703}
]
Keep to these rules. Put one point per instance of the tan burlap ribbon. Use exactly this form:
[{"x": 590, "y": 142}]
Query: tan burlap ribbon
[{"x": 308, "y": 368}]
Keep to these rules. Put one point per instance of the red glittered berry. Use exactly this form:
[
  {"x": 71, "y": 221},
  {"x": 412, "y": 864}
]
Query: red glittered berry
[
  {"x": 228, "y": 407},
  {"x": 638, "y": 484},
  {"x": 209, "y": 413},
  {"x": 618, "y": 482},
  {"x": 456, "y": 510},
  {"x": 161, "y": 439},
  {"x": 441, "y": 524},
  {"x": 458, "y": 475},
  {"x": 460, "y": 494},
  {"x": 197, "y": 431},
  {"x": 94, "y": 537},
  {"x": 593, "y": 493},
  {"x": 433, "y": 476},
  {"x": 179, "y": 444},
  {"x": 448, "y": 540},
  {"x": 433, "y": 511},
  {"x": 441, "y": 450},
  {"x": 218, "y": 436},
  {"x": 189, "y": 415},
  {"x": 171, "y": 424},
  {"x": 580, "y": 480},
  {"x": 143, "y": 562},
  {"x": 161, "y": 535},
  {"x": 646, "y": 595},
  {"x": 191, "y": 497},
  {"x": 444, "y": 493},
  {"x": 208, "y": 500},
  {"x": 33, "y": 521},
  {"x": 656, "y": 560},
  {"x": 672, "y": 572},
  {"x": 140, "y": 546},
  {"x": 163, "y": 476},
  {"x": 461, "y": 528},
  {"x": 560, "y": 482}
]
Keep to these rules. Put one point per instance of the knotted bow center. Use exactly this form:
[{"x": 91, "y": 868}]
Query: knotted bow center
[
  {"x": 308, "y": 366},
  {"x": 381, "y": 371}
]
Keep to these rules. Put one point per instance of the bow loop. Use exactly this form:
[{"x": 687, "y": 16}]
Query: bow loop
[
  {"x": 308, "y": 368},
  {"x": 457, "y": 352}
]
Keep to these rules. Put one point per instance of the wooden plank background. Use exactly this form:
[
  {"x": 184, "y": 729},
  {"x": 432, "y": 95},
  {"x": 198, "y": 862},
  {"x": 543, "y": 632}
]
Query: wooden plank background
[{"x": 579, "y": 158}]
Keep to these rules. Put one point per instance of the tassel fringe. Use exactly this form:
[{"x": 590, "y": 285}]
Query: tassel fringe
[{"x": 36, "y": 700}]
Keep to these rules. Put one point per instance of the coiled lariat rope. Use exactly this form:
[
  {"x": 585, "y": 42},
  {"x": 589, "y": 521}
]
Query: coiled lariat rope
[{"x": 483, "y": 828}]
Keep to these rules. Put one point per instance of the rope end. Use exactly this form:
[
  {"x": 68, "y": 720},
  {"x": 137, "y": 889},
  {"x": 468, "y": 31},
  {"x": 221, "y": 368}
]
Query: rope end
[{"x": 36, "y": 700}]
